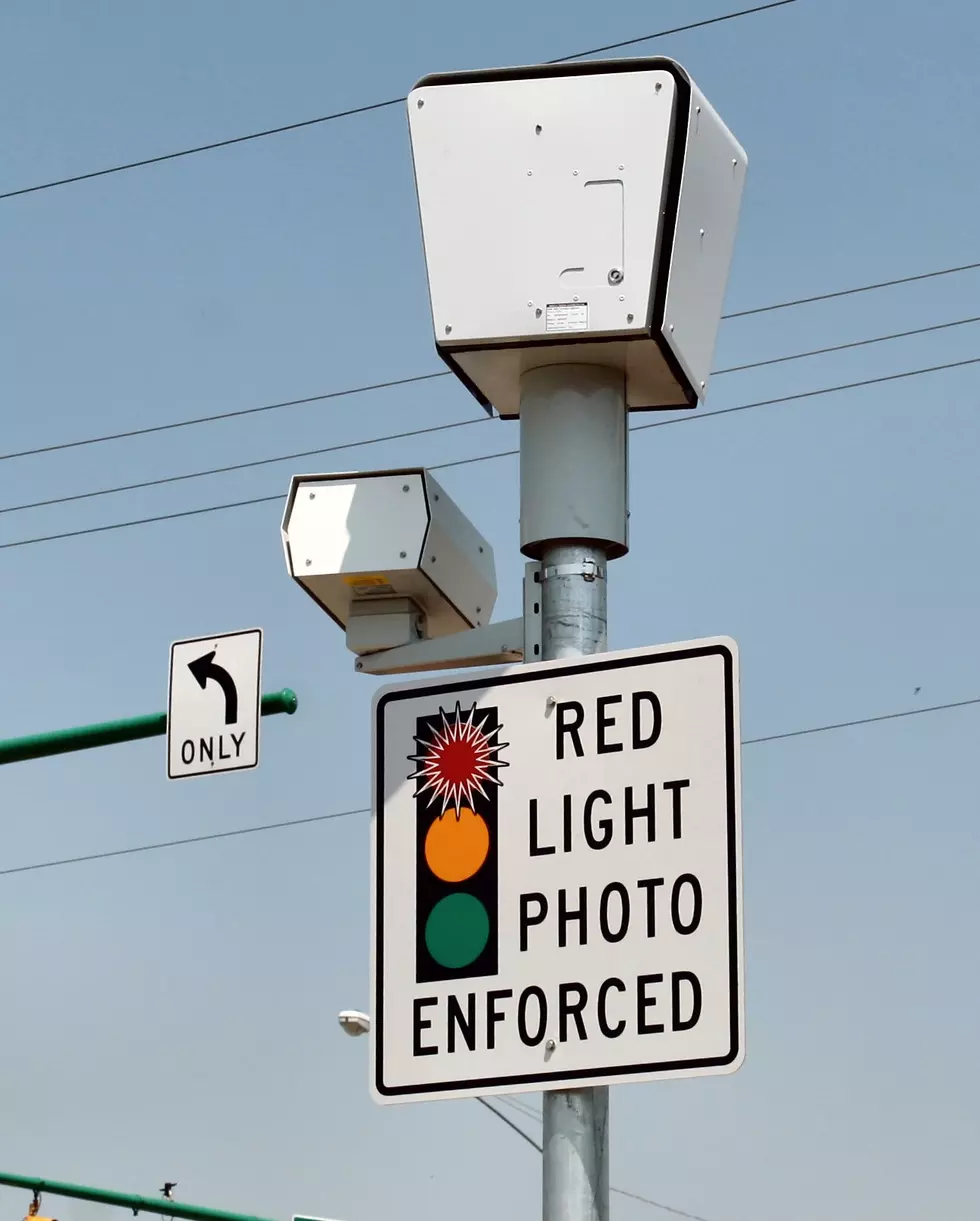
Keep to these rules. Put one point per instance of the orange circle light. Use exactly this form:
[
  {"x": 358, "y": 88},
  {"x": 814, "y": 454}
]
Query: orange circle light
[{"x": 456, "y": 844}]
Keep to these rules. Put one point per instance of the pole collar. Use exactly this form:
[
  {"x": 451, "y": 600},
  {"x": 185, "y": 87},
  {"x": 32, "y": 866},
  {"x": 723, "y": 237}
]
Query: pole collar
[{"x": 589, "y": 570}]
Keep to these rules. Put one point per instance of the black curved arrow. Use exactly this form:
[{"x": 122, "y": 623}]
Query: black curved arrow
[{"x": 203, "y": 669}]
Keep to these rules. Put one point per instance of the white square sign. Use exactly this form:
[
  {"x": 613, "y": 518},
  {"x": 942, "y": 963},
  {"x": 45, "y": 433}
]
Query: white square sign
[
  {"x": 556, "y": 866},
  {"x": 213, "y": 707}
]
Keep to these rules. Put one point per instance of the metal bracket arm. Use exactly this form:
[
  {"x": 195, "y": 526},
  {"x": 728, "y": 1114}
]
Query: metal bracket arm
[{"x": 495, "y": 644}]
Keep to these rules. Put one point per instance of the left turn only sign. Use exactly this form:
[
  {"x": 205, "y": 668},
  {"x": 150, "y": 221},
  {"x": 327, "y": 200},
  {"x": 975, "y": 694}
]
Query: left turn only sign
[{"x": 213, "y": 709}]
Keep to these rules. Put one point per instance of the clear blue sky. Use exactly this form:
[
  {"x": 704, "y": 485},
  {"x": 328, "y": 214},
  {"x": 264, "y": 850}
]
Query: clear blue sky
[{"x": 171, "y": 1014}]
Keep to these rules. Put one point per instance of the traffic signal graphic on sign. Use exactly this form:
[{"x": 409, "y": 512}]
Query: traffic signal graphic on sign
[{"x": 457, "y": 783}]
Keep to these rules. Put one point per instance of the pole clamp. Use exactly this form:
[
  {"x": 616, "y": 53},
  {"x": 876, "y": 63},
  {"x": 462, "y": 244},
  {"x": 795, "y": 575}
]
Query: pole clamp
[{"x": 589, "y": 570}]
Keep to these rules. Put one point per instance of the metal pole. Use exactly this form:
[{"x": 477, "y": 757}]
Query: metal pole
[
  {"x": 122, "y": 1199},
  {"x": 573, "y": 520},
  {"x": 108, "y": 733}
]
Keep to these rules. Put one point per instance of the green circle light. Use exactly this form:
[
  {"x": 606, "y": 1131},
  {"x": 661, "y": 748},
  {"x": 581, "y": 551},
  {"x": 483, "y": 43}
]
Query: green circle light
[{"x": 457, "y": 931}]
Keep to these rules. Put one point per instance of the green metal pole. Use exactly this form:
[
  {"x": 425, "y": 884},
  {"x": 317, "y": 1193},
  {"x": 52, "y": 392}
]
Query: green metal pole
[
  {"x": 122, "y": 1199},
  {"x": 108, "y": 733}
]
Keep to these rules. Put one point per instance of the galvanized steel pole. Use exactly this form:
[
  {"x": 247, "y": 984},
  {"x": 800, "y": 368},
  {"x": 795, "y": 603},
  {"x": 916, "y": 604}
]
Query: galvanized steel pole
[{"x": 573, "y": 520}]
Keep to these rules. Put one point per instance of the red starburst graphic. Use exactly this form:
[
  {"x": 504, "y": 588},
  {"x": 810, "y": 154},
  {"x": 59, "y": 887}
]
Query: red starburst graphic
[{"x": 458, "y": 760}]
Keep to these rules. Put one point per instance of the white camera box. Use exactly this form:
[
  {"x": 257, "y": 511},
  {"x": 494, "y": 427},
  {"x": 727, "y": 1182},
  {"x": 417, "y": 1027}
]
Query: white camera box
[
  {"x": 386, "y": 552},
  {"x": 576, "y": 213}
]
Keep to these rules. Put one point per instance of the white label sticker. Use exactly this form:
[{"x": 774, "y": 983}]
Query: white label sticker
[{"x": 568, "y": 316}]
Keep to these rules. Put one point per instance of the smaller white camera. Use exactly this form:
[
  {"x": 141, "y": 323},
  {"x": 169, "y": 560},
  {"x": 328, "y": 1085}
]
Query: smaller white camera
[{"x": 389, "y": 556}]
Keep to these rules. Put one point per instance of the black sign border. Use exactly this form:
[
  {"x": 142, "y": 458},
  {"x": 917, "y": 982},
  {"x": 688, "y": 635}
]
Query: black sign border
[{"x": 613, "y": 662}]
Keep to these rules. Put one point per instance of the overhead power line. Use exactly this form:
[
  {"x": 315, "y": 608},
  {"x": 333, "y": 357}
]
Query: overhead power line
[
  {"x": 846, "y": 347},
  {"x": 619, "y": 1191},
  {"x": 519, "y": 1105},
  {"x": 301, "y": 822},
  {"x": 810, "y": 394},
  {"x": 212, "y": 145},
  {"x": 873, "y": 720},
  {"x": 510, "y": 1124},
  {"x": 244, "y": 466},
  {"x": 678, "y": 29},
  {"x": 667, "y": 1208},
  {"x": 199, "y": 148},
  {"x": 700, "y": 415},
  {"x": 180, "y": 843},
  {"x": 426, "y": 377},
  {"x": 222, "y": 415},
  {"x": 850, "y": 292},
  {"x": 506, "y": 453},
  {"x": 434, "y": 428}
]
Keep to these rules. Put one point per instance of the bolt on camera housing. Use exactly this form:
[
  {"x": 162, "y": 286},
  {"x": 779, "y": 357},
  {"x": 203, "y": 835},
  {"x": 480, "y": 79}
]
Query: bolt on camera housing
[
  {"x": 576, "y": 214},
  {"x": 389, "y": 557}
]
